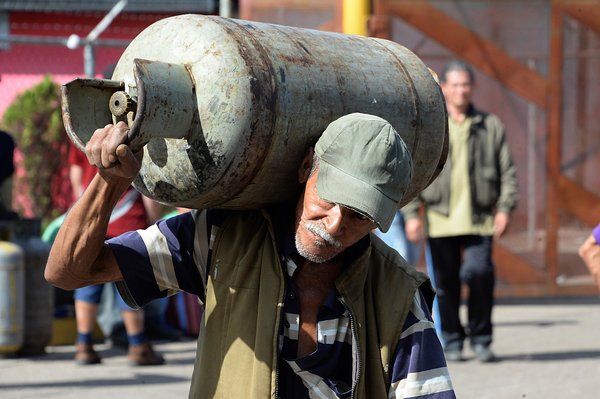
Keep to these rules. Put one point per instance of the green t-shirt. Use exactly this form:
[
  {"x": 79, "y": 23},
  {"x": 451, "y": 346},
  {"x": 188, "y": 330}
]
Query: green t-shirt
[{"x": 459, "y": 221}]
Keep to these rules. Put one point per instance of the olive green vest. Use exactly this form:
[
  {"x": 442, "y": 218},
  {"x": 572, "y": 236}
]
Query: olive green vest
[{"x": 238, "y": 343}]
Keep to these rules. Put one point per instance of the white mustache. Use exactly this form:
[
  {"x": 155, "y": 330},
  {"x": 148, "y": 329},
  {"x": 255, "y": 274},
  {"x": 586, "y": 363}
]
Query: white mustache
[{"x": 320, "y": 232}]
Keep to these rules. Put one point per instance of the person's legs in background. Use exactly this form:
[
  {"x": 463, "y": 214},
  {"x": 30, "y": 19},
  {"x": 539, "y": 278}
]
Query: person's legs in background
[
  {"x": 436, "y": 308},
  {"x": 446, "y": 260},
  {"x": 156, "y": 326},
  {"x": 140, "y": 352},
  {"x": 477, "y": 272},
  {"x": 86, "y": 309}
]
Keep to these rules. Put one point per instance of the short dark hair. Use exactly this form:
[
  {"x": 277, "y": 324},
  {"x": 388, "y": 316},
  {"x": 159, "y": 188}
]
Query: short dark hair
[{"x": 457, "y": 65}]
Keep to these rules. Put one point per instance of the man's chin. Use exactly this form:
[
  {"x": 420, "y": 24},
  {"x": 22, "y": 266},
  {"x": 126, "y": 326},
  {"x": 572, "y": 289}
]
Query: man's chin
[
  {"x": 314, "y": 248},
  {"x": 315, "y": 258},
  {"x": 315, "y": 255}
]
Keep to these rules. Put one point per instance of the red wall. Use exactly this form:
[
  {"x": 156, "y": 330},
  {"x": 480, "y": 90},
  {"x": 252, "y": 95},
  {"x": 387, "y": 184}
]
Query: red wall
[{"x": 22, "y": 66}]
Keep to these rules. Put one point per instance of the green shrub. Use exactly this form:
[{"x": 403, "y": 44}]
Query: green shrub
[{"x": 34, "y": 119}]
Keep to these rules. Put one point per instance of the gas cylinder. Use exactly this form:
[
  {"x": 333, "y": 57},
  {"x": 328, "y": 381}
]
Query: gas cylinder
[
  {"x": 39, "y": 296},
  {"x": 226, "y": 109},
  {"x": 12, "y": 298}
]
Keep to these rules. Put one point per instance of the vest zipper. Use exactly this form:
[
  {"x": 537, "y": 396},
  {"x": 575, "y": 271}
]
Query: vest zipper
[
  {"x": 354, "y": 339},
  {"x": 279, "y": 337}
]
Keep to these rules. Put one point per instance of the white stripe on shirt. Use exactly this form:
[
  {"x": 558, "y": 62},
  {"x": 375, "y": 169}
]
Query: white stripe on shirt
[
  {"x": 423, "y": 323},
  {"x": 329, "y": 331},
  {"x": 317, "y": 388},
  {"x": 421, "y": 383},
  {"x": 160, "y": 258}
]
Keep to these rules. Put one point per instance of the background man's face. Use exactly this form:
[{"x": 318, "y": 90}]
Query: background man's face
[
  {"x": 324, "y": 229},
  {"x": 457, "y": 89}
]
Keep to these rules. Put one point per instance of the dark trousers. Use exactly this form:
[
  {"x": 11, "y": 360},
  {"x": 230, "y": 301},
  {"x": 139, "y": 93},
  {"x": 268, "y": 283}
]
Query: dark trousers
[{"x": 464, "y": 259}]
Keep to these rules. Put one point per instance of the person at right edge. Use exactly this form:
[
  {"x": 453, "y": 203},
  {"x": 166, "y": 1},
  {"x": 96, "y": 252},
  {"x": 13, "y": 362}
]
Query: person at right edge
[{"x": 466, "y": 207}]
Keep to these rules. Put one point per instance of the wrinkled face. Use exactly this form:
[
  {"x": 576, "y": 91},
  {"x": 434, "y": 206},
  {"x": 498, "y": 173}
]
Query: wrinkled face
[
  {"x": 324, "y": 229},
  {"x": 458, "y": 89}
]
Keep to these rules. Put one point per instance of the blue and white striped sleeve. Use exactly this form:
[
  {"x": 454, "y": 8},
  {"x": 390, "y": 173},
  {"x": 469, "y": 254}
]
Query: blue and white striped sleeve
[
  {"x": 165, "y": 258},
  {"x": 419, "y": 369}
]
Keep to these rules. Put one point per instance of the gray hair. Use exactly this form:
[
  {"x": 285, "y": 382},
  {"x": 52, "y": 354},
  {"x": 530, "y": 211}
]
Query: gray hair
[
  {"x": 315, "y": 164},
  {"x": 457, "y": 65}
]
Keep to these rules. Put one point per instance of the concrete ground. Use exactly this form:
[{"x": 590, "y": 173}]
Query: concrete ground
[{"x": 546, "y": 349}]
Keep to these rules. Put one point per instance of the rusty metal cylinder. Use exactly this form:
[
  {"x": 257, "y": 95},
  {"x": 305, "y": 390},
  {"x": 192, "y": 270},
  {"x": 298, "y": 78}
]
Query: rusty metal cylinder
[
  {"x": 12, "y": 298},
  {"x": 226, "y": 109}
]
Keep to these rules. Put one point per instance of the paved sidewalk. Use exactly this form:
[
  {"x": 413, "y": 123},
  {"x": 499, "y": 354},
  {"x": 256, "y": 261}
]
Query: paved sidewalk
[
  {"x": 56, "y": 375},
  {"x": 547, "y": 349}
]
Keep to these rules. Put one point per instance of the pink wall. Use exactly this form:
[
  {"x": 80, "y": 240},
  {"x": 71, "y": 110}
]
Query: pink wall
[{"x": 22, "y": 66}]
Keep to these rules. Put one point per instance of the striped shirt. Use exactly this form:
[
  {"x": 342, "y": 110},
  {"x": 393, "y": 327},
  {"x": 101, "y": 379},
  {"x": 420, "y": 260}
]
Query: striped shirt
[{"x": 174, "y": 255}]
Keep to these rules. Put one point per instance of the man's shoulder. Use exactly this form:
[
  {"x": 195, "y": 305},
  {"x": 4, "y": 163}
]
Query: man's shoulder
[{"x": 482, "y": 117}]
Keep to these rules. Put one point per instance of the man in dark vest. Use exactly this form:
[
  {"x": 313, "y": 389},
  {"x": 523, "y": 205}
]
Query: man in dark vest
[{"x": 300, "y": 299}]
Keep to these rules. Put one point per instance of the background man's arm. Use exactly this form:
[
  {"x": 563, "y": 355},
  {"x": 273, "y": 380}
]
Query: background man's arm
[
  {"x": 509, "y": 189},
  {"x": 413, "y": 225},
  {"x": 590, "y": 253}
]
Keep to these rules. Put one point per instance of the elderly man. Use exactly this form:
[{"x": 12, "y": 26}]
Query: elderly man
[{"x": 301, "y": 301}]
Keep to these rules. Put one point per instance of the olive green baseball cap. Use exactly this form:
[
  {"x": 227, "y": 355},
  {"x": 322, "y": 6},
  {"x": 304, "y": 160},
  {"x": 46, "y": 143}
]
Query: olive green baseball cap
[{"x": 364, "y": 165}]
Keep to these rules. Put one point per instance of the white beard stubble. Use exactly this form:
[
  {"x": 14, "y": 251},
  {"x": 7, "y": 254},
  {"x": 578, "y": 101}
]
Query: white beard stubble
[{"x": 322, "y": 239}]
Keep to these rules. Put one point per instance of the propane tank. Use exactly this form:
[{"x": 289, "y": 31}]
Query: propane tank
[
  {"x": 226, "y": 109},
  {"x": 39, "y": 296},
  {"x": 12, "y": 298}
]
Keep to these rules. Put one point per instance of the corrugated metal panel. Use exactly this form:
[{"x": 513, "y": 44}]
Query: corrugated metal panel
[{"x": 198, "y": 6}]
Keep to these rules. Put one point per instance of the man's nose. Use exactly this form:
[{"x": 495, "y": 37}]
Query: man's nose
[{"x": 334, "y": 222}]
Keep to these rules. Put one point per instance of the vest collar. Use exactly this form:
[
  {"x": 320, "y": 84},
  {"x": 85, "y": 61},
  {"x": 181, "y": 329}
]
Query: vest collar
[{"x": 352, "y": 281}]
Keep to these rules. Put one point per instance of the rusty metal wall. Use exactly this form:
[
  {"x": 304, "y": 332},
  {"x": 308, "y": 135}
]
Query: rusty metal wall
[
  {"x": 581, "y": 102},
  {"x": 315, "y": 14},
  {"x": 522, "y": 32},
  {"x": 501, "y": 33},
  {"x": 506, "y": 24}
]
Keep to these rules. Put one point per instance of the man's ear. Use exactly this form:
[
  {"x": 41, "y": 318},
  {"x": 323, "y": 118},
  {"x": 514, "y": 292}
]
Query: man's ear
[{"x": 305, "y": 166}]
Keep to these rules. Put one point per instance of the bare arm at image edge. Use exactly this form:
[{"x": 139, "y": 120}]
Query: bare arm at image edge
[
  {"x": 589, "y": 251},
  {"x": 79, "y": 256}
]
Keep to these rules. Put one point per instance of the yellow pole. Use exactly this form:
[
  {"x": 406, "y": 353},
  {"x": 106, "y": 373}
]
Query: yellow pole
[{"x": 354, "y": 16}]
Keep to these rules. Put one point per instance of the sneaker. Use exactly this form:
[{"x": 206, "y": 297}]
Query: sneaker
[
  {"x": 483, "y": 353},
  {"x": 453, "y": 355},
  {"x": 144, "y": 355},
  {"x": 85, "y": 354}
]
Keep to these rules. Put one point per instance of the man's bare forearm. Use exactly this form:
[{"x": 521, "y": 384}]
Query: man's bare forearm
[{"x": 79, "y": 256}]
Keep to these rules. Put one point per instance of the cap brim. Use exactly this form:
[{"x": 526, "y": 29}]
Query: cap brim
[{"x": 336, "y": 186}]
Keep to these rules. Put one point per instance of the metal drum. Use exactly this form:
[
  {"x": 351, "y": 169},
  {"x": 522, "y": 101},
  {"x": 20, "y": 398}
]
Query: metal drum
[
  {"x": 39, "y": 297},
  {"x": 227, "y": 108},
  {"x": 12, "y": 298}
]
